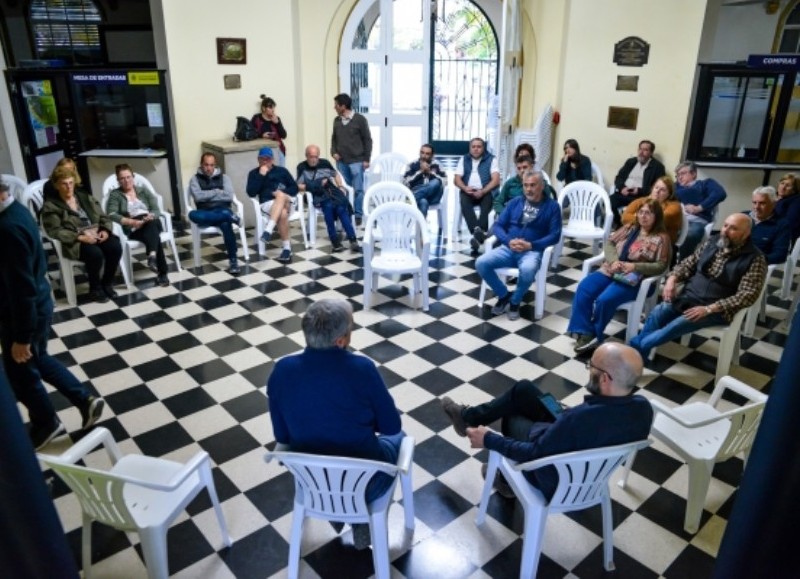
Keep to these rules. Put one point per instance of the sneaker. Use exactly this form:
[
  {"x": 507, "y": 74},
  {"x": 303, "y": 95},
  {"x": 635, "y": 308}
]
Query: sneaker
[
  {"x": 337, "y": 247},
  {"x": 502, "y": 305},
  {"x": 109, "y": 291},
  {"x": 354, "y": 246},
  {"x": 499, "y": 483},
  {"x": 41, "y": 436},
  {"x": 233, "y": 268},
  {"x": 98, "y": 296},
  {"x": 266, "y": 237},
  {"x": 513, "y": 311},
  {"x": 151, "y": 263},
  {"x": 455, "y": 412},
  {"x": 361, "y": 538},
  {"x": 162, "y": 280},
  {"x": 91, "y": 411},
  {"x": 586, "y": 344},
  {"x": 285, "y": 256}
]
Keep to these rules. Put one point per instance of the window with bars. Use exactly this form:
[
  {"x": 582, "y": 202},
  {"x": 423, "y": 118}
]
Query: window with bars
[
  {"x": 790, "y": 35},
  {"x": 66, "y": 29}
]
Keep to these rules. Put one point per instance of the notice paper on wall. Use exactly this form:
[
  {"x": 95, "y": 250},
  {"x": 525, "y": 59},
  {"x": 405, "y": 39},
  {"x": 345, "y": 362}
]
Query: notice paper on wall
[{"x": 154, "y": 116}]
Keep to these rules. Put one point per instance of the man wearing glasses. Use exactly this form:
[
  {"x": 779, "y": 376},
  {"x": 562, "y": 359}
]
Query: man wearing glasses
[
  {"x": 425, "y": 179},
  {"x": 700, "y": 198},
  {"x": 610, "y": 414}
]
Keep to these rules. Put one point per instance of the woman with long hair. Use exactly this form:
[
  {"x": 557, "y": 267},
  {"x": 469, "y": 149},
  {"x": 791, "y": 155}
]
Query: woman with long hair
[
  {"x": 663, "y": 191},
  {"x": 575, "y": 166}
]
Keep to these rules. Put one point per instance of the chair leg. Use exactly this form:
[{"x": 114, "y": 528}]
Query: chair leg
[
  {"x": 408, "y": 500},
  {"x": 608, "y": 533},
  {"x": 126, "y": 265},
  {"x": 154, "y": 547},
  {"x": 728, "y": 342},
  {"x": 379, "y": 533},
  {"x": 535, "y": 522},
  {"x": 175, "y": 254},
  {"x": 196, "y": 245},
  {"x": 298, "y": 518},
  {"x": 243, "y": 238},
  {"x": 208, "y": 481},
  {"x": 699, "y": 481},
  {"x": 623, "y": 482},
  {"x": 86, "y": 547},
  {"x": 491, "y": 472}
]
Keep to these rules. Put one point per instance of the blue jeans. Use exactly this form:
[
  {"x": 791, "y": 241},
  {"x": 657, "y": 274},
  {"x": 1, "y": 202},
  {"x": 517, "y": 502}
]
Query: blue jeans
[
  {"x": 331, "y": 211},
  {"x": 380, "y": 483},
  {"x": 428, "y": 194},
  {"x": 697, "y": 229},
  {"x": 26, "y": 379},
  {"x": 353, "y": 174},
  {"x": 219, "y": 217},
  {"x": 665, "y": 324},
  {"x": 526, "y": 261},
  {"x": 596, "y": 300}
]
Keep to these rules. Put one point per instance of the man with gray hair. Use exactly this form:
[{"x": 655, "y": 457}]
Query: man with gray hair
[
  {"x": 328, "y": 400},
  {"x": 534, "y": 425},
  {"x": 770, "y": 234},
  {"x": 700, "y": 198}
]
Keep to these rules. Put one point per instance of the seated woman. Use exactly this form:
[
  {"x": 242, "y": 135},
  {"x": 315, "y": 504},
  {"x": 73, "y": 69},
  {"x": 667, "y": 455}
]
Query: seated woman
[
  {"x": 574, "y": 165},
  {"x": 788, "y": 205},
  {"x": 663, "y": 191},
  {"x": 74, "y": 217},
  {"x": 632, "y": 253},
  {"x": 136, "y": 210}
]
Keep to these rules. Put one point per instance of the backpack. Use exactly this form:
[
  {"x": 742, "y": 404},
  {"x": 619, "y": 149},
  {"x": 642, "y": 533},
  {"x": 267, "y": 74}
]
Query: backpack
[{"x": 245, "y": 131}]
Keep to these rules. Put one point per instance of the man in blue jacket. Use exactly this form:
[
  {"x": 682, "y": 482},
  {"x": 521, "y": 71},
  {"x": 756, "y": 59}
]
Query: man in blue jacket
[
  {"x": 609, "y": 415},
  {"x": 527, "y": 226},
  {"x": 700, "y": 198},
  {"x": 770, "y": 234}
]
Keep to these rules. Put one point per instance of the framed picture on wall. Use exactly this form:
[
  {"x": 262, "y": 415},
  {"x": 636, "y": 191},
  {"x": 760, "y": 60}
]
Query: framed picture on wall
[{"x": 231, "y": 51}]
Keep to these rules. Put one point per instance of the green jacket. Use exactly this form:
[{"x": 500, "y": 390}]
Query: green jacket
[
  {"x": 62, "y": 223},
  {"x": 117, "y": 205}
]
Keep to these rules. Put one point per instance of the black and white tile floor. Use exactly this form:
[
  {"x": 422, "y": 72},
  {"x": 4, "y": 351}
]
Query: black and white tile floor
[{"x": 184, "y": 367}]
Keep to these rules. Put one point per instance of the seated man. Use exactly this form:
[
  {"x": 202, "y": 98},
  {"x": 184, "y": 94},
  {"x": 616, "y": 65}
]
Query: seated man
[
  {"x": 723, "y": 276},
  {"x": 425, "y": 179},
  {"x": 609, "y": 415},
  {"x": 770, "y": 234},
  {"x": 318, "y": 177},
  {"x": 526, "y": 227},
  {"x": 635, "y": 178},
  {"x": 477, "y": 177},
  {"x": 213, "y": 193},
  {"x": 699, "y": 197},
  {"x": 275, "y": 189},
  {"x": 328, "y": 400}
]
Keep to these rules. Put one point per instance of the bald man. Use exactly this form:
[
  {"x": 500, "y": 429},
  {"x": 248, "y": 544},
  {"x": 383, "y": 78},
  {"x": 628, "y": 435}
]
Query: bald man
[
  {"x": 610, "y": 414},
  {"x": 721, "y": 277}
]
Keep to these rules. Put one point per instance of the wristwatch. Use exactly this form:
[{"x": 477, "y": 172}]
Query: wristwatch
[{"x": 708, "y": 310}]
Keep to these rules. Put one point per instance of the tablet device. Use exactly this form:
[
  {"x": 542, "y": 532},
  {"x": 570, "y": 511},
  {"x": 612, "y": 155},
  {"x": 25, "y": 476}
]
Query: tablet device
[{"x": 551, "y": 405}]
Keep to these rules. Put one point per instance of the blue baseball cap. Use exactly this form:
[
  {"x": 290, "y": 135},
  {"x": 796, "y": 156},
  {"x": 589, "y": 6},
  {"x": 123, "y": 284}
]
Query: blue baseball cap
[{"x": 265, "y": 152}]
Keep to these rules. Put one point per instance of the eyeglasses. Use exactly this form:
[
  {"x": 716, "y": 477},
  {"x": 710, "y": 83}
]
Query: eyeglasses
[
  {"x": 644, "y": 212},
  {"x": 589, "y": 366}
]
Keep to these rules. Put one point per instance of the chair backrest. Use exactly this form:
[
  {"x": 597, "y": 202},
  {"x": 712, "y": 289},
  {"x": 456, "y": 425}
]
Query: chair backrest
[
  {"x": 584, "y": 197},
  {"x": 583, "y": 475},
  {"x": 332, "y": 486},
  {"x": 100, "y": 493},
  {"x": 684, "y": 231},
  {"x": 385, "y": 192},
  {"x": 744, "y": 425},
  {"x": 402, "y": 227},
  {"x": 33, "y": 197},
  {"x": 16, "y": 186},
  {"x": 388, "y": 167},
  {"x": 597, "y": 175}
]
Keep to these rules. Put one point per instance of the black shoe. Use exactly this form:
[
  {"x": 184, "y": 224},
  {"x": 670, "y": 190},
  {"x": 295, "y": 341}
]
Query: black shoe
[
  {"x": 479, "y": 235},
  {"x": 98, "y": 296},
  {"x": 454, "y": 412},
  {"x": 513, "y": 311},
  {"x": 285, "y": 256},
  {"x": 502, "y": 305},
  {"x": 109, "y": 291},
  {"x": 41, "y": 436},
  {"x": 499, "y": 483},
  {"x": 233, "y": 268},
  {"x": 151, "y": 263},
  {"x": 475, "y": 245},
  {"x": 358, "y": 220},
  {"x": 91, "y": 411},
  {"x": 354, "y": 246},
  {"x": 361, "y": 538},
  {"x": 337, "y": 247},
  {"x": 586, "y": 343},
  {"x": 162, "y": 280}
]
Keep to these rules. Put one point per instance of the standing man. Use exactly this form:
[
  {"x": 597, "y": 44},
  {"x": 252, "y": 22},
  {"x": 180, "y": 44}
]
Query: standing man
[
  {"x": 526, "y": 227},
  {"x": 477, "y": 177},
  {"x": 318, "y": 177},
  {"x": 213, "y": 194},
  {"x": 275, "y": 190},
  {"x": 770, "y": 234},
  {"x": 724, "y": 275},
  {"x": 25, "y": 312},
  {"x": 425, "y": 179},
  {"x": 609, "y": 415},
  {"x": 328, "y": 400},
  {"x": 351, "y": 147},
  {"x": 635, "y": 178},
  {"x": 700, "y": 198}
]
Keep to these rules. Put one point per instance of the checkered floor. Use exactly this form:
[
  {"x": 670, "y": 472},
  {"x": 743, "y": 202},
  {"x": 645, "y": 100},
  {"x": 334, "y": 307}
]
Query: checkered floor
[{"x": 183, "y": 368}]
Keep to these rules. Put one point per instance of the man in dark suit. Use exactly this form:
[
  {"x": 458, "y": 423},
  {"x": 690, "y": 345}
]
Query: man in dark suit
[{"x": 635, "y": 178}]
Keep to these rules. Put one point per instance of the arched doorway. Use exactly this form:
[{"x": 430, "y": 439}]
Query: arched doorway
[{"x": 420, "y": 71}]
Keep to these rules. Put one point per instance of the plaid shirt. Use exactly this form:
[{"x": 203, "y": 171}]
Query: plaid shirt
[{"x": 750, "y": 285}]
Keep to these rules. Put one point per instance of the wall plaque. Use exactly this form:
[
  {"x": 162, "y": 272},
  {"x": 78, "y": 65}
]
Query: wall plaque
[
  {"x": 622, "y": 118},
  {"x": 232, "y": 81},
  {"x": 231, "y": 51},
  {"x": 630, "y": 83},
  {"x": 631, "y": 51}
]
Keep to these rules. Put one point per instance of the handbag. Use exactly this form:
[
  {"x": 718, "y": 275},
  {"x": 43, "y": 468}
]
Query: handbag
[{"x": 632, "y": 279}]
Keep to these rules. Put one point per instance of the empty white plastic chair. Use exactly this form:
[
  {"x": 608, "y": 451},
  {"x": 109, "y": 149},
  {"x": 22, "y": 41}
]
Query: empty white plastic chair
[
  {"x": 198, "y": 231},
  {"x": 702, "y": 435},
  {"x": 332, "y": 488},
  {"x": 584, "y": 197},
  {"x": 385, "y": 167},
  {"x": 138, "y": 494},
  {"x": 582, "y": 483},
  {"x": 404, "y": 249},
  {"x": 16, "y": 186}
]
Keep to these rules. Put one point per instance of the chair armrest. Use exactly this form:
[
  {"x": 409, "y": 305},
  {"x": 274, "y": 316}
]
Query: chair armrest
[
  {"x": 489, "y": 243},
  {"x": 98, "y": 436},
  {"x": 592, "y": 262},
  {"x": 405, "y": 458},
  {"x": 742, "y": 389},
  {"x": 670, "y": 413}
]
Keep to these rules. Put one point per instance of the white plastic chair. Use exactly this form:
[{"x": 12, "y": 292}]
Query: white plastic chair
[
  {"x": 167, "y": 234},
  {"x": 703, "y": 435},
  {"x": 314, "y": 213},
  {"x": 582, "y": 483},
  {"x": 16, "y": 186},
  {"x": 198, "y": 232},
  {"x": 759, "y": 310},
  {"x": 597, "y": 175},
  {"x": 584, "y": 197},
  {"x": 684, "y": 231},
  {"x": 333, "y": 488},
  {"x": 404, "y": 249},
  {"x": 641, "y": 306},
  {"x": 385, "y": 192},
  {"x": 385, "y": 167},
  {"x": 788, "y": 271},
  {"x": 539, "y": 283},
  {"x": 295, "y": 215},
  {"x": 138, "y": 493}
]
